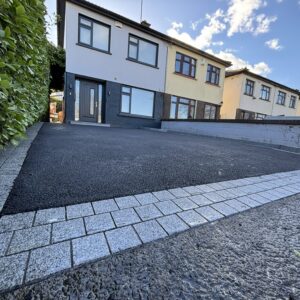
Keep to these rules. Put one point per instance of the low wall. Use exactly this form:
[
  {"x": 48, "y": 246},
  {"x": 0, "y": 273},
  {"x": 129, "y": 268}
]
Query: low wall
[{"x": 287, "y": 135}]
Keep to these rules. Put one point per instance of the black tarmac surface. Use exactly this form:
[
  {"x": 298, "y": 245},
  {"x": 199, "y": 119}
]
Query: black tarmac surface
[
  {"x": 253, "y": 255},
  {"x": 73, "y": 164}
]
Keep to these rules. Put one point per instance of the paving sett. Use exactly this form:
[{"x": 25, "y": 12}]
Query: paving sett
[
  {"x": 257, "y": 252},
  {"x": 118, "y": 156}
]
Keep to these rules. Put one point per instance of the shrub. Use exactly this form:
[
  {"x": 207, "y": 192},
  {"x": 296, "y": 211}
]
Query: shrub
[{"x": 24, "y": 67}]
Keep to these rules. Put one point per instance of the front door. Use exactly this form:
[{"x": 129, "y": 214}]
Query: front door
[{"x": 88, "y": 101}]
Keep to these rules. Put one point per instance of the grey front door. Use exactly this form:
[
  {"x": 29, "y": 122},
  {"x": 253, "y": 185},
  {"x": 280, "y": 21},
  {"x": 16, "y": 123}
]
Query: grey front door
[{"x": 88, "y": 101}]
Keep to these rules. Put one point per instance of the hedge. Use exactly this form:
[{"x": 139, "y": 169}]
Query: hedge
[{"x": 24, "y": 67}]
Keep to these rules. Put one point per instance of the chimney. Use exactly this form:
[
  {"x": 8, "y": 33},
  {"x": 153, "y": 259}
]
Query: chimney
[{"x": 145, "y": 23}]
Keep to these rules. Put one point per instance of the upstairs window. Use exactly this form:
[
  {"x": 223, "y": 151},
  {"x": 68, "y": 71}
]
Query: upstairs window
[
  {"x": 281, "y": 98},
  {"x": 293, "y": 102},
  {"x": 265, "y": 93},
  {"x": 94, "y": 34},
  {"x": 185, "y": 65},
  {"x": 213, "y": 75},
  {"x": 249, "y": 87},
  {"x": 142, "y": 51}
]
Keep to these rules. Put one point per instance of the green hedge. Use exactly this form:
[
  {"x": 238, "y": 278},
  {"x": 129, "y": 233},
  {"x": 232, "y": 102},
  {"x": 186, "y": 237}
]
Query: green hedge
[{"x": 24, "y": 67}]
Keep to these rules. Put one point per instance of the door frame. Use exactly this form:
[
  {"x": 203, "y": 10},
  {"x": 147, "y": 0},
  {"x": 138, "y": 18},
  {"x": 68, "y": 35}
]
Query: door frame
[{"x": 102, "y": 106}]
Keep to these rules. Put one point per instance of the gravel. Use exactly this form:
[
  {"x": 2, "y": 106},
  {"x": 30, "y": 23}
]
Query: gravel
[{"x": 252, "y": 255}]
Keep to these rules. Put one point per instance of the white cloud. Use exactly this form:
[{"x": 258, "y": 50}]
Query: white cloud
[
  {"x": 263, "y": 23},
  {"x": 274, "y": 44},
  {"x": 204, "y": 39},
  {"x": 260, "y": 68},
  {"x": 279, "y": 1}
]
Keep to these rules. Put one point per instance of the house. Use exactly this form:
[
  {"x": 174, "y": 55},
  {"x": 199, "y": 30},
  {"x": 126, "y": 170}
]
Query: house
[
  {"x": 194, "y": 84},
  {"x": 251, "y": 96},
  {"x": 124, "y": 73}
]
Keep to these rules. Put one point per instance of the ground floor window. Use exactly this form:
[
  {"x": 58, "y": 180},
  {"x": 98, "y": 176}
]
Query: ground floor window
[
  {"x": 245, "y": 115},
  {"x": 182, "y": 108},
  {"x": 259, "y": 116},
  {"x": 137, "y": 101},
  {"x": 210, "y": 111}
]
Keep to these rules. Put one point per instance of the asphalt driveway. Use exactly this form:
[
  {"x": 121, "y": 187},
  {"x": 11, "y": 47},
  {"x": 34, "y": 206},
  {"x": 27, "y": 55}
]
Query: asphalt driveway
[{"x": 73, "y": 164}]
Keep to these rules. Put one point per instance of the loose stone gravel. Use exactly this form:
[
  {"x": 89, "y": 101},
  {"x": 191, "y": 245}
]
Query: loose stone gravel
[{"x": 252, "y": 255}]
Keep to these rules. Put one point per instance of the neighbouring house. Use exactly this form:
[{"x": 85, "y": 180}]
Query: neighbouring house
[
  {"x": 124, "y": 73},
  {"x": 251, "y": 96}
]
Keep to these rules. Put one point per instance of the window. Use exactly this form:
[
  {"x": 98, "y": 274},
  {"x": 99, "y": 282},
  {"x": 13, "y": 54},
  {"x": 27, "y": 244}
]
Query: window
[
  {"x": 293, "y": 102},
  {"x": 142, "y": 51},
  {"x": 137, "y": 102},
  {"x": 94, "y": 34},
  {"x": 249, "y": 88},
  {"x": 213, "y": 75},
  {"x": 265, "y": 93},
  {"x": 245, "y": 115},
  {"x": 210, "y": 111},
  {"x": 185, "y": 65},
  {"x": 281, "y": 98},
  {"x": 182, "y": 108},
  {"x": 259, "y": 116}
]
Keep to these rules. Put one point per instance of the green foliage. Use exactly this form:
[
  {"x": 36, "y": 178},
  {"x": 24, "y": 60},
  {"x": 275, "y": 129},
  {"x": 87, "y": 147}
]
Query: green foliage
[
  {"x": 24, "y": 67},
  {"x": 57, "y": 67}
]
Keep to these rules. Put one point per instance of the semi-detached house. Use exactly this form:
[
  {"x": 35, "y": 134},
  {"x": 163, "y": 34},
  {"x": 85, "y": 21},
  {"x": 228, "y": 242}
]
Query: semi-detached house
[
  {"x": 124, "y": 73},
  {"x": 251, "y": 96}
]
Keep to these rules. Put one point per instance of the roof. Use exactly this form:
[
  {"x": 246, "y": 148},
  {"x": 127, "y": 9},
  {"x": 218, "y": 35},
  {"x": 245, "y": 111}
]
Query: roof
[
  {"x": 251, "y": 74},
  {"x": 61, "y": 7}
]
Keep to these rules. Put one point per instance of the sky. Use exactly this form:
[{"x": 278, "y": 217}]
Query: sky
[{"x": 262, "y": 35}]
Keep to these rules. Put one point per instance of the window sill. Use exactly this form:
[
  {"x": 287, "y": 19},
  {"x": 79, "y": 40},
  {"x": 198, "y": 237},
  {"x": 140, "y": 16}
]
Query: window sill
[
  {"x": 280, "y": 104},
  {"x": 213, "y": 84},
  {"x": 185, "y": 76},
  {"x": 267, "y": 100},
  {"x": 249, "y": 95},
  {"x": 141, "y": 63},
  {"x": 135, "y": 116},
  {"x": 93, "y": 48}
]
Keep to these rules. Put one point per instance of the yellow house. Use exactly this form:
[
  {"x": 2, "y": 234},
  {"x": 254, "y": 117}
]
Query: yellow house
[
  {"x": 251, "y": 96},
  {"x": 194, "y": 83}
]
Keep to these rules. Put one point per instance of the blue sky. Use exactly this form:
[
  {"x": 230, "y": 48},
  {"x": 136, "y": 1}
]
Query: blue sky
[{"x": 260, "y": 34}]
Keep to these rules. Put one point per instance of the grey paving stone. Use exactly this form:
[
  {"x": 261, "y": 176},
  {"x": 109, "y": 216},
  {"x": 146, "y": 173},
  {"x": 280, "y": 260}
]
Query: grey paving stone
[
  {"x": 4, "y": 242},
  {"x": 79, "y": 210},
  {"x": 237, "y": 191},
  {"x": 125, "y": 217},
  {"x": 172, "y": 224},
  {"x": 192, "y": 218},
  {"x": 179, "y": 193},
  {"x": 224, "y": 208},
  {"x": 104, "y": 206},
  {"x": 269, "y": 196},
  {"x": 193, "y": 190},
  {"x": 67, "y": 230},
  {"x": 50, "y": 215},
  {"x": 258, "y": 198},
  {"x": 89, "y": 248},
  {"x": 227, "y": 184},
  {"x": 239, "y": 206},
  {"x": 150, "y": 231},
  {"x": 148, "y": 212},
  {"x": 12, "y": 269},
  {"x": 214, "y": 197},
  {"x": 226, "y": 194},
  {"x": 30, "y": 238},
  {"x": 215, "y": 186},
  {"x": 48, "y": 260},
  {"x": 122, "y": 238},
  {"x": 185, "y": 203},
  {"x": 167, "y": 207},
  {"x": 127, "y": 202},
  {"x": 205, "y": 188},
  {"x": 200, "y": 200},
  {"x": 248, "y": 201},
  {"x": 99, "y": 223},
  {"x": 146, "y": 198},
  {"x": 209, "y": 213},
  {"x": 163, "y": 195},
  {"x": 17, "y": 221}
]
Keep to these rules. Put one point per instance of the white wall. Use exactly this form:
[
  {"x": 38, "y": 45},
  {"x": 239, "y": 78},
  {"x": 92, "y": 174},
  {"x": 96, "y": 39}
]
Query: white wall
[
  {"x": 284, "y": 135},
  {"x": 115, "y": 67}
]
